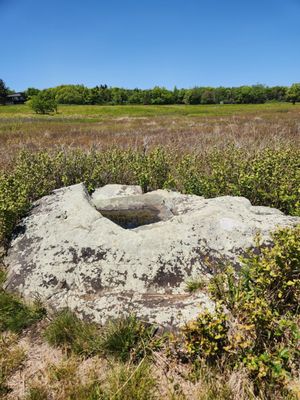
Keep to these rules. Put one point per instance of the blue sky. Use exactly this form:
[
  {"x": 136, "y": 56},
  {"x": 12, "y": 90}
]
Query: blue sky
[{"x": 143, "y": 43}]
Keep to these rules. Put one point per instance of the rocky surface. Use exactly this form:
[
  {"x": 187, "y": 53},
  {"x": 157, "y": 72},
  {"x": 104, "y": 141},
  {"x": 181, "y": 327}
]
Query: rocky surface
[{"x": 120, "y": 251}]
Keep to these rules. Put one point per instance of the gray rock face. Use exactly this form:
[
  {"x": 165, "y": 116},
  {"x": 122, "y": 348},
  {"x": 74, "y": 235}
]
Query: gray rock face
[{"x": 121, "y": 251}]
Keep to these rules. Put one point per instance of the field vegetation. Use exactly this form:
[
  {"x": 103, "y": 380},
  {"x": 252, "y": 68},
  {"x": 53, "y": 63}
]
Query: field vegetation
[
  {"x": 255, "y": 94},
  {"x": 182, "y": 128},
  {"x": 248, "y": 348}
]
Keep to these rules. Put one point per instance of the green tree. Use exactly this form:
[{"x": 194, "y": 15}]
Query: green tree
[
  {"x": 193, "y": 96},
  {"x": 208, "y": 96},
  {"x": 30, "y": 92},
  {"x": 293, "y": 93},
  {"x": 44, "y": 102},
  {"x": 3, "y": 91},
  {"x": 276, "y": 93},
  {"x": 72, "y": 94}
]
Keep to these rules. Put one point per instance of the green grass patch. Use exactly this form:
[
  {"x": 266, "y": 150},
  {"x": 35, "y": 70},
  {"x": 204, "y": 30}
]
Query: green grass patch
[
  {"x": 128, "y": 338},
  {"x": 193, "y": 285},
  {"x": 124, "y": 339},
  {"x": 72, "y": 334},
  {"x": 97, "y": 112},
  {"x": 16, "y": 315}
]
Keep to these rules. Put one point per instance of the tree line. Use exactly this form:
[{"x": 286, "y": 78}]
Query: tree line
[{"x": 102, "y": 94}]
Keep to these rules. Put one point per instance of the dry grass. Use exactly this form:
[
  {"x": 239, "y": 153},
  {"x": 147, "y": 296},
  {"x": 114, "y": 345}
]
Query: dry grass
[
  {"x": 38, "y": 371},
  {"x": 12, "y": 356},
  {"x": 196, "y": 129}
]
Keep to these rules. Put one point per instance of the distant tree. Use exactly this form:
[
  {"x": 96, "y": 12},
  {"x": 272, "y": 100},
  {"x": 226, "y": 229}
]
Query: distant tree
[
  {"x": 276, "y": 93},
  {"x": 119, "y": 96},
  {"x": 3, "y": 92},
  {"x": 179, "y": 96},
  {"x": 135, "y": 96},
  {"x": 293, "y": 93},
  {"x": 161, "y": 95},
  {"x": 193, "y": 96},
  {"x": 30, "y": 92},
  {"x": 72, "y": 94},
  {"x": 44, "y": 102},
  {"x": 208, "y": 96},
  {"x": 102, "y": 94}
]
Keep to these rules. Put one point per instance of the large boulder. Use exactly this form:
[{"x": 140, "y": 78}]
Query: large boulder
[{"x": 121, "y": 251}]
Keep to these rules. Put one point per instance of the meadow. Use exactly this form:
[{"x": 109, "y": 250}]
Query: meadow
[
  {"x": 184, "y": 128},
  {"x": 244, "y": 150}
]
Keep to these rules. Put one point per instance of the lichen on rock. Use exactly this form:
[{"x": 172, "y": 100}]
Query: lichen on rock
[{"x": 120, "y": 251}]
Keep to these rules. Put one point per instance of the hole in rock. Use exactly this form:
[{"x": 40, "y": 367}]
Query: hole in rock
[{"x": 130, "y": 219}]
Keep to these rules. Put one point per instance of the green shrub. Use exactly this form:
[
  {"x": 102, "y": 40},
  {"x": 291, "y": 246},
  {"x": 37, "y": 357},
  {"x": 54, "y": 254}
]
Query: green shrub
[
  {"x": 268, "y": 177},
  {"x": 206, "y": 337},
  {"x": 44, "y": 102},
  {"x": 260, "y": 331}
]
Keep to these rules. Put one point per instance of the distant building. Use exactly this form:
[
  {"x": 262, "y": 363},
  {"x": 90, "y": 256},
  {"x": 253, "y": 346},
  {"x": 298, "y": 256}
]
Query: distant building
[{"x": 15, "y": 98}]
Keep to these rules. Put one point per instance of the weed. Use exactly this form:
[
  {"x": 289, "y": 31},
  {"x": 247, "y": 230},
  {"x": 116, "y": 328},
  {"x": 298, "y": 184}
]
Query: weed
[
  {"x": 125, "y": 339},
  {"x": 193, "y": 285},
  {"x": 15, "y": 315},
  {"x": 37, "y": 392},
  {"x": 69, "y": 332},
  {"x": 126, "y": 382},
  {"x": 11, "y": 357},
  {"x": 128, "y": 338}
]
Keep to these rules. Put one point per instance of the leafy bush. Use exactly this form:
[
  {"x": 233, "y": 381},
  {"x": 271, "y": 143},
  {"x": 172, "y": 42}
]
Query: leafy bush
[
  {"x": 260, "y": 331},
  {"x": 43, "y": 103},
  {"x": 207, "y": 336}
]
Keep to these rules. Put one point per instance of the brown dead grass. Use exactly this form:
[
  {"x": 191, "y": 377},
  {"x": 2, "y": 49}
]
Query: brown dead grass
[
  {"x": 181, "y": 133},
  {"x": 61, "y": 377}
]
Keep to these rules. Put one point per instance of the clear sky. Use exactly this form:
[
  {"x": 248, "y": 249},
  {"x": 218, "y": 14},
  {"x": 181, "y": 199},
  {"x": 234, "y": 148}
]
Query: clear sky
[{"x": 143, "y": 43}]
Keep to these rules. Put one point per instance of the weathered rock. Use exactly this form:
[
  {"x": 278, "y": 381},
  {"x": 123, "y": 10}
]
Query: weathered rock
[
  {"x": 114, "y": 190},
  {"x": 70, "y": 255}
]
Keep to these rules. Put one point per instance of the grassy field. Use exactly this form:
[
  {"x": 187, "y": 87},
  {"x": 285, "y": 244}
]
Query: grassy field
[
  {"x": 98, "y": 112},
  {"x": 241, "y": 150},
  {"x": 190, "y": 128}
]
